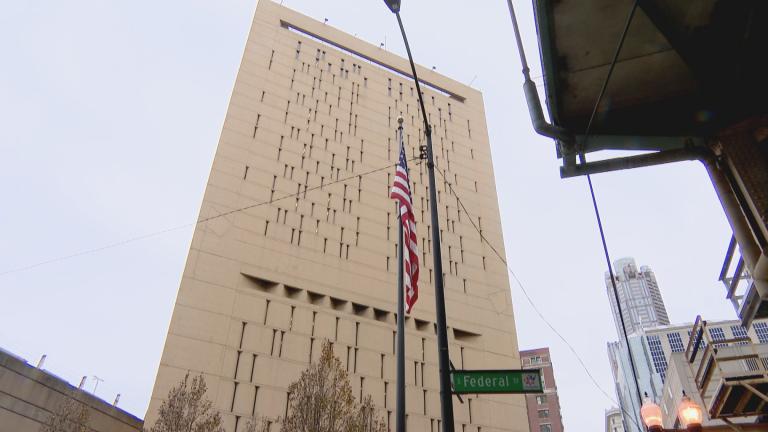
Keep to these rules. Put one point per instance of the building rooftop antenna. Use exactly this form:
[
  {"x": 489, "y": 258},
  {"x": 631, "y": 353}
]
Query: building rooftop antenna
[{"x": 98, "y": 380}]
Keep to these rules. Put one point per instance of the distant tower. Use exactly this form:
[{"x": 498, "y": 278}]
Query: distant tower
[
  {"x": 639, "y": 296},
  {"x": 642, "y": 308}
]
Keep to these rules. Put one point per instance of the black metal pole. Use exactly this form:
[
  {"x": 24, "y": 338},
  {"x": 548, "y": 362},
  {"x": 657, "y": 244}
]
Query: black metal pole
[
  {"x": 446, "y": 400},
  {"x": 400, "y": 402}
]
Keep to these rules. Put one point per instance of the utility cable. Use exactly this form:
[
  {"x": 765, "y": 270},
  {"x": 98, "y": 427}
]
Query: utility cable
[
  {"x": 527, "y": 296},
  {"x": 200, "y": 221},
  {"x": 583, "y": 160}
]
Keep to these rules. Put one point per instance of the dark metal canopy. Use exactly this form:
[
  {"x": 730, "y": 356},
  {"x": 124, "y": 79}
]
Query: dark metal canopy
[{"x": 687, "y": 69}]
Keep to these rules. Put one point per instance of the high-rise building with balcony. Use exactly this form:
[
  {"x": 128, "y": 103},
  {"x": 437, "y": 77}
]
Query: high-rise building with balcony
[{"x": 297, "y": 236}]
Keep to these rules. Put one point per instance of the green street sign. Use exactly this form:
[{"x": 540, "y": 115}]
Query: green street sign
[{"x": 496, "y": 381}]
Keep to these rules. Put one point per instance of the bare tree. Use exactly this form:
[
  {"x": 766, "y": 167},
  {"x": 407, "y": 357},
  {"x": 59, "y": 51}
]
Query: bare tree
[
  {"x": 257, "y": 425},
  {"x": 366, "y": 418},
  {"x": 321, "y": 401},
  {"x": 70, "y": 416},
  {"x": 187, "y": 409}
]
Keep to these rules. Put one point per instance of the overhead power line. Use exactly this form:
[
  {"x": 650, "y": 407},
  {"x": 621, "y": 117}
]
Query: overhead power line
[
  {"x": 583, "y": 159},
  {"x": 527, "y": 296},
  {"x": 176, "y": 228}
]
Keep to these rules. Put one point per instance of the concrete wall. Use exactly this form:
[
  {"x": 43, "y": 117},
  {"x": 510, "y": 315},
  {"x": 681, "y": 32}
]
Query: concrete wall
[{"x": 28, "y": 396}]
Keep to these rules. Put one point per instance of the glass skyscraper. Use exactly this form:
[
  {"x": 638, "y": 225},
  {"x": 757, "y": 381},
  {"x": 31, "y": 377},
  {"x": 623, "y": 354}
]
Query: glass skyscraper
[{"x": 643, "y": 308}]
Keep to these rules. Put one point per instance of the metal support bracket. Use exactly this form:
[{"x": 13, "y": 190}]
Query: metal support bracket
[
  {"x": 423, "y": 152},
  {"x": 453, "y": 368}
]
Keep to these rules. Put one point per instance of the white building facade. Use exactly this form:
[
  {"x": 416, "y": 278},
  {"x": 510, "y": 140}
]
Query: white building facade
[{"x": 652, "y": 350}]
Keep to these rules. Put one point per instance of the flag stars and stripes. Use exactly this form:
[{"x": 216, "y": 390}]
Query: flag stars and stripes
[{"x": 401, "y": 192}]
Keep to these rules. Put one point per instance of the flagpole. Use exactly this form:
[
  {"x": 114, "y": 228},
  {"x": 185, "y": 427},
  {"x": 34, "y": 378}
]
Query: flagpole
[
  {"x": 400, "y": 402},
  {"x": 443, "y": 359}
]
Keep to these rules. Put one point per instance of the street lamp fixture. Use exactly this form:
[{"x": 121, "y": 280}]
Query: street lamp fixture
[
  {"x": 651, "y": 414},
  {"x": 446, "y": 403},
  {"x": 690, "y": 414},
  {"x": 393, "y": 5}
]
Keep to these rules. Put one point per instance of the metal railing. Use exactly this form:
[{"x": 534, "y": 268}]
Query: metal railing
[
  {"x": 736, "y": 279},
  {"x": 725, "y": 363}
]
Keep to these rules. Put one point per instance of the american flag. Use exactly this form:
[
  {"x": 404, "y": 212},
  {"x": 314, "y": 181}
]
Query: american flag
[{"x": 401, "y": 192}]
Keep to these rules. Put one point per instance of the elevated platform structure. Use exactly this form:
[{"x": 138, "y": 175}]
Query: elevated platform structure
[
  {"x": 689, "y": 84},
  {"x": 731, "y": 375}
]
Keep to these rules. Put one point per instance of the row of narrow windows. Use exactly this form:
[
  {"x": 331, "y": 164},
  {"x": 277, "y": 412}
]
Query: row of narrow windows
[
  {"x": 288, "y": 172},
  {"x": 353, "y": 118},
  {"x": 357, "y": 69}
]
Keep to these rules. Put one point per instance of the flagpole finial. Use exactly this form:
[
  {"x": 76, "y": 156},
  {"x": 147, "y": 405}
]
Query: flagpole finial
[{"x": 400, "y": 120}]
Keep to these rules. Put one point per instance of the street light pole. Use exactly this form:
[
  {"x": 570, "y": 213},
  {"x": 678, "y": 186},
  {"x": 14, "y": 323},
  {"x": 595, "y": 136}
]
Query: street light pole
[{"x": 446, "y": 401}]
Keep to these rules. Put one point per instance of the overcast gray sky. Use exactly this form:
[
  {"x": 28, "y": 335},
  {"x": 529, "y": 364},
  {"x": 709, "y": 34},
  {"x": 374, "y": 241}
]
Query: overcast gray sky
[{"x": 109, "y": 117}]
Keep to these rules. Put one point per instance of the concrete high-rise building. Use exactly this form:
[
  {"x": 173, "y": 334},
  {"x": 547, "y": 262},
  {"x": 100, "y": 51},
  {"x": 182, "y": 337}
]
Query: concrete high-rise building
[
  {"x": 543, "y": 409},
  {"x": 639, "y": 297},
  {"x": 297, "y": 239}
]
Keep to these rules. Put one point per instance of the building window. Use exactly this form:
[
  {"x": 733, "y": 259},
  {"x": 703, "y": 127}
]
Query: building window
[
  {"x": 545, "y": 428},
  {"x": 535, "y": 360},
  {"x": 657, "y": 355},
  {"x": 739, "y": 332},
  {"x": 544, "y": 413},
  {"x": 541, "y": 399},
  {"x": 717, "y": 334},
  {"x": 761, "y": 329},
  {"x": 675, "y": 342}
]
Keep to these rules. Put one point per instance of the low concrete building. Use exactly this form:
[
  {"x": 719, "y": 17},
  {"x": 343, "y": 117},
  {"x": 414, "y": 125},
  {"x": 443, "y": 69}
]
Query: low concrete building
[
  {"x": 614, "y": 421},
  {"x": 29, "y": 395}
]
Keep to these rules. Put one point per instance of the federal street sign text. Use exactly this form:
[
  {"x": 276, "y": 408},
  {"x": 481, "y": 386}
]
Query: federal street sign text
[{"x": 496, "y": 381}]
